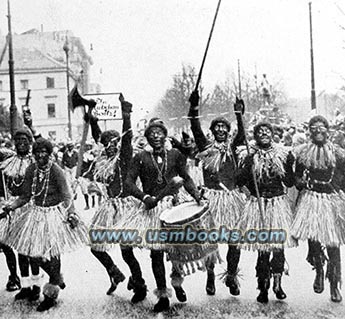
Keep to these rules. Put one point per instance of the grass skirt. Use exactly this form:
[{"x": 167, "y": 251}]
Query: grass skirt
[
  {"x": 277, "y": 215},
  {"x": 141, "y": 219},
  {"x": 109, "y": 215},
  {"x": 319, "y": 216},
  {"x": 225, "y": 206},
  {"x": 10, "y": 221},
  {"x": 44, "y": 232}
]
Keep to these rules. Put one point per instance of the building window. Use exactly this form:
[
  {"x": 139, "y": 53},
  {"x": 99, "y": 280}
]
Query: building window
[
  {"x": 24, "y": 84},
  {"x": 1, "y": 86},
  {"x": 50, "y": 83},
  {"x": 51, "y": 110}
]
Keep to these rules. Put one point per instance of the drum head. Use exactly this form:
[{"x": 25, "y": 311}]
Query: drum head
[{"x": 183, "y": 213}]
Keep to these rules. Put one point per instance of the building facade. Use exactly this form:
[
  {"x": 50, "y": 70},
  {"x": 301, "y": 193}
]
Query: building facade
[{"x": 40, "y": 65}]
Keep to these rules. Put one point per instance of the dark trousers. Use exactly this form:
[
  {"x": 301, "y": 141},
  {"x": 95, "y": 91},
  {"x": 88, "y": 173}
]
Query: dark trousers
[
  {"x": 233, "y": 259},
  {"x": 52, "y": 267},
  {"x": 316, "y": 258},
  {"x": 10, "y": 259},
  {"x": 25, "y": 263},
  {"x": 128, "y": 257},
  {"x": 265, "y": 266},
  {"x": 158, "y": 268},
  {"x": 133, "y": 264}
]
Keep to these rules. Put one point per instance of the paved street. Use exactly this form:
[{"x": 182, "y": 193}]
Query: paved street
[{"x": 87, "y": 282}]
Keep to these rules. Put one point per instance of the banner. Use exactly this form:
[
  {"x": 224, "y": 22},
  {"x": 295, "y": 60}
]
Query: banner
[{"x": 108, "y": 105}]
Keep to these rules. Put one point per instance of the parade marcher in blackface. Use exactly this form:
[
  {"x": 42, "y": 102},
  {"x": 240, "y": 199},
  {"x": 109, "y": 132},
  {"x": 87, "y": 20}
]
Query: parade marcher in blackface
[
  {"x": 157, "y": 169},
  {"x": 111, "y": 171},
  {"x": 13, "y": 166},
  {"x": 219, "y": 164},
  {"x": 272, "y": 165},
  {"x": 320, "y": 167},
  {"x": 50, "y": 226}
]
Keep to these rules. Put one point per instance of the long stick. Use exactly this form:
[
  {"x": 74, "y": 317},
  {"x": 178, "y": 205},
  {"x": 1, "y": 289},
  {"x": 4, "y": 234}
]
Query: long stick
[
  {"x": 208, "y": 44},
  {"x": 247, "y": 145},
  {"x": 239, "y": 79}
]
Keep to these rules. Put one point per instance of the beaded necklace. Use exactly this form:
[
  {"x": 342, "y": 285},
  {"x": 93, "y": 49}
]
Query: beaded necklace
[
  {"x": 41, "y": 175},
  {"x": 161, "y": 171},
  {"x": 14, "y": 168}
]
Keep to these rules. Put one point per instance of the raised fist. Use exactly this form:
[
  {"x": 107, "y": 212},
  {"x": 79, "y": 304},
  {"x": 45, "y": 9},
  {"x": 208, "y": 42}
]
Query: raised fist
[
  {"x": 239, "y": 106},
  {"x": 126, "y": 107}
]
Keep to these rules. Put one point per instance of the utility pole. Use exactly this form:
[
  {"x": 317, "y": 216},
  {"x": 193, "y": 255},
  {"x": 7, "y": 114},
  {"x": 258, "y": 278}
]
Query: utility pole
[
  {"x": 67, "y": 49},
  {"x": 313, "y": 97},
  {"x": 13, "y": 108}
]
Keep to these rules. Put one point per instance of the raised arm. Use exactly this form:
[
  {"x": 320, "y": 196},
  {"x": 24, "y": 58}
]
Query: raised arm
[
  {"x": 199, "y": 136},
  {"x": 126, "y": 144},
  {"x": 240, "y": 136}
]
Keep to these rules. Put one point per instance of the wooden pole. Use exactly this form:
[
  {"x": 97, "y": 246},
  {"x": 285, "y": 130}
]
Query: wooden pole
[
  {"x": 13, "y": 107},
  {"x": 313, "y": 97},
  {"x": 207, "y": 46}
]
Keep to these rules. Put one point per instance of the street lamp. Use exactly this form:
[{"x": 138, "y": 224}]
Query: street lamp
[
  {"x": 13, "y": 107},
  {"x": 66, "y": 48}
]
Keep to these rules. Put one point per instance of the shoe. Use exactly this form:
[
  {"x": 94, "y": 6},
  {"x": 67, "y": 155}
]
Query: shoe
[
  {"x": 162, "y": 304},
  {"x": 210, "y": 287},
  {"x": 35, "y": 293},
  {"x": 319, "y": 280},
  {"x": 335, "y": 293},
  {"x": 114, "y": 281},
  {"x": 277, "y": 288},
  {"x": 24, "y": 293},
  {"x": 62, "y": 284},
  {"x": 232, "y": 283},
  {"x": 139, "y": 294},
  {"x": 180, "y": 294},
  {"x": 262, "y": 297},
  {"x": 46, "y": 304},
  {"x": 13, "y": 283}
]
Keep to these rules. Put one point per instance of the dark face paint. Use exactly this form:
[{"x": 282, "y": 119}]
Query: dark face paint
[
  {"x": 111, "y": 149},
  {"x": 42, "y": 157},
  {"x": 22, "y": 144},
  {"x": 220, "y": 132},
  {"x": 263, "y": 137},
  {"x": 156, "y": 138},
  {"x": 318, "y": 133}
]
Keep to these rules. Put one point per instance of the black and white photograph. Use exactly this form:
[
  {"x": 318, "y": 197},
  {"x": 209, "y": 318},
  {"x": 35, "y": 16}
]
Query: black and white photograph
[{"x": 172, "y": 159}]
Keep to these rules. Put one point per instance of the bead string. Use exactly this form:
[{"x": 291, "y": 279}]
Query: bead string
[
  {"x": 45, "y": 185},
  {"x": 163, "y": 170}
]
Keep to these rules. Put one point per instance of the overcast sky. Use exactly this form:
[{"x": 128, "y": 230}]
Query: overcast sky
[{"x": 141, "y": 44}]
